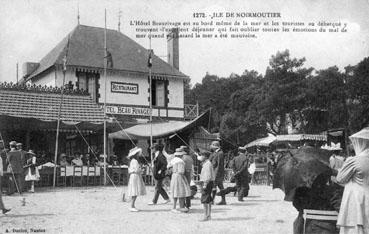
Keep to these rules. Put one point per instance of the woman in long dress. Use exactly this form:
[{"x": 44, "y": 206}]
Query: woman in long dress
[
  {"x": 354, "y": 174},
  {"x": 179, "y": 187},
  {"x": 32, "y": 171},
  {"x": 136, "y": 186}
]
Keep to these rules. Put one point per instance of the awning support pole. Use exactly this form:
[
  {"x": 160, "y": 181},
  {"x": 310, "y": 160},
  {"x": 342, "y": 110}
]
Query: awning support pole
[
  {"x": 59, "y": 112},
  {"x": 151, "y": 141},
  {"x": 105, "y": 65},
  {"x": 58, "y": 129}
]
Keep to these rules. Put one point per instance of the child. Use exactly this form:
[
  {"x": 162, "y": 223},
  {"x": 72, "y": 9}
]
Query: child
[
  {"x": 207, "y": 178},
  {"x": 136, "y": 186},
  {"x": 32, "y": 171}
]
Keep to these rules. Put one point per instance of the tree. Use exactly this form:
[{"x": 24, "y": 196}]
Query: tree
[
  {"x": 242, "y": 124},
  {"x": 358, "y": 95},
  {"x": 326, "y": 101},
  {"x": 282, "y": 97}
]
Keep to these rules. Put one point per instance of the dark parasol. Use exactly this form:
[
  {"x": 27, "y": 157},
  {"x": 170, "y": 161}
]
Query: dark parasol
[{"x": 299, "y": 168}]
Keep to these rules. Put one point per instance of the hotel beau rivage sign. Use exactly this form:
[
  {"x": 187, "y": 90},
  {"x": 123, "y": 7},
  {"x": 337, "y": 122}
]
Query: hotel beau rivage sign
[
  {"x": 130, "y": 88},
  {"x": 127, "y": 110}
]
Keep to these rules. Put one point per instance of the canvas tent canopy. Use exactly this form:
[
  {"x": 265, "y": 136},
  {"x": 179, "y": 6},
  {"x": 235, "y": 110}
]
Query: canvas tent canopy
[
  {"x": 271, "y": 139},
  {"x": 159, "y": 129},
  {"x": 263, "y": 142},
  {"x": 300, "y": 137}
]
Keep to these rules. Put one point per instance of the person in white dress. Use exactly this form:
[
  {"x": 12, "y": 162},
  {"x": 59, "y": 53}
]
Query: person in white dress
[
  {"x": 354, "y": 174},
  {"x": 179, "y": 186},
  {"x": 136, "y": 186},
  {"x": 32, "y": 171}
]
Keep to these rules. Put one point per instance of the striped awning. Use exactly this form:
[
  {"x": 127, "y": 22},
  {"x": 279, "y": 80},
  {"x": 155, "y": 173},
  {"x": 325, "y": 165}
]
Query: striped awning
[{"x": 301, "y": 137}]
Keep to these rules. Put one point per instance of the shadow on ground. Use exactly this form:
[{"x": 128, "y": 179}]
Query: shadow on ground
[
  {"x": 213, "y": 210},
  {"x": 244, "y": 204},
  {"x": 25, "y": 215},
  {"x": 233, "y": 219}
]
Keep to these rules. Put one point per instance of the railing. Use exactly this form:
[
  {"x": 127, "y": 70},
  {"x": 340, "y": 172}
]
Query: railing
[
  {"x": 41, "y": 89},
  {"x": 191, "y": 111}
]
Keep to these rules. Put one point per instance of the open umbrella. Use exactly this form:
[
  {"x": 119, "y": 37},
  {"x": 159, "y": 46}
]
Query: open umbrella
[{"x": 299, "y": 168}]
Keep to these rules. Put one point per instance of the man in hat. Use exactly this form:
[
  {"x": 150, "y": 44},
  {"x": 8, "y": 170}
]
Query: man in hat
[
  {"x": 2, "y": 207},
  {"x": 3, "y": 152},
  {"x": 241, "y": 174},
  {"x": 159, "y": 167},
  {"x": 24, "y": 162},
  {"x": 63, "y": 160},
  {"x": 15, "y": 168},
  {"x": 188, "y": 170},
  {"x": 217, "y": 160}
]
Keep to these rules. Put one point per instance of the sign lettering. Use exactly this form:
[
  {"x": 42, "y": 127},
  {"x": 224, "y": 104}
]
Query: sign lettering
[
  {"x": 118, "y": 87},
  {"x": 126, "y": 110}
]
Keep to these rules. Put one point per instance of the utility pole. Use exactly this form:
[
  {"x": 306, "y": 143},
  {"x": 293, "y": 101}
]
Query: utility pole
[
  {"x": 17, "y": 73},
  {"x": 119, "y": 16}
]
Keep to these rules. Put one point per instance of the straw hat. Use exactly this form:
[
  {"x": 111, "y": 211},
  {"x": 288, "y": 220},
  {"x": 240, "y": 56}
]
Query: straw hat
[
  {"x": 242, "y": 149},
  {"x": 215, "y": 145},
  {"x": 185, "y": 148},
  {"x": 179, "y": 152},
  {"x": 13, "y": 143},
  {"x": 31, "y": 152},
  {"x": 134, "y": 151}
]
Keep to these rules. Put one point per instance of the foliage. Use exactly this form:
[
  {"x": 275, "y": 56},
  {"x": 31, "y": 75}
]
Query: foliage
[{"x": 248, "y": 106}]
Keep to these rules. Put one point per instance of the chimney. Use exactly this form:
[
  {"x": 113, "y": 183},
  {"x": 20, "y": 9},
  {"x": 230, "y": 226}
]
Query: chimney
[
  {"x": 28, "y": 68},
  {"x": 173, "y": 48}
]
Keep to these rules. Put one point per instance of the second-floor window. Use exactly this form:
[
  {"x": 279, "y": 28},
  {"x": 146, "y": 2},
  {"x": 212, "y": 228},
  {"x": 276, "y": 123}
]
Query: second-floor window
[
  {"x": 89, "y": 82},
  {"x": 159, "y": 93}
]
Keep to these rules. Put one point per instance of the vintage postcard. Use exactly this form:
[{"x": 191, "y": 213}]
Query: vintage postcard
[{"x": 183, "y": 116}]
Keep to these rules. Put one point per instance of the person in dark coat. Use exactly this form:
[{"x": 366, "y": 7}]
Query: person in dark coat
[
  {"x": 217, "y": 160},
  {"x": 159, "y": 168},
  {"x": 240, "y": 165},
  {"x": 321, "y": 196},
  {"x": 188, "y": 171},
  {"x": 2, "y": 152},
  {"x": 24, "y": 162},
  {"x": 15, "y": 168}
]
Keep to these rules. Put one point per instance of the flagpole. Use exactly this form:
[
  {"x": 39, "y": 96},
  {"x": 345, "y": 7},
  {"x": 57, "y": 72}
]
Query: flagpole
[
  {"x": 150, "y": 78},
  {"x": 59, "y": 113},
  {"x": 105, "y": 64}
]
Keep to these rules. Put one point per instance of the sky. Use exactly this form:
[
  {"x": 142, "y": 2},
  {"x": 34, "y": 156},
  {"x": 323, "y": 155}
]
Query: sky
[{"x": 31, "y": 28}]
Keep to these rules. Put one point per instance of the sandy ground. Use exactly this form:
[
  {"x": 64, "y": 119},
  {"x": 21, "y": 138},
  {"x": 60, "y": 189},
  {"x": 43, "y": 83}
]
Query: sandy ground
[{"x": 101, "y": 210}]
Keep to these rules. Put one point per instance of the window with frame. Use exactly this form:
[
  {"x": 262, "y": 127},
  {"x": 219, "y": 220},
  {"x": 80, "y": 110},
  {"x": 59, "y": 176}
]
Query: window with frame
[{"x": 159, "y": 93}]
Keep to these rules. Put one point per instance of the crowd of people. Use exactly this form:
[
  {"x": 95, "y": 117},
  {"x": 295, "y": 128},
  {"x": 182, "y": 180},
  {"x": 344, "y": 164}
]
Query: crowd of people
[
  {"x": 78, "y": 159},
  {"x": 179, "y": 168},
  {"x": 21, "y": 167},
  {"x": 344, "y": 189}
]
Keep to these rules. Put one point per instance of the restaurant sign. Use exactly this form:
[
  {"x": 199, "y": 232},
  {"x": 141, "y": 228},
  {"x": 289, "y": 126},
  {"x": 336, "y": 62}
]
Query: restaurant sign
[
  {"x": 128, "y": 110},
  {"x": 119, "y": 87}
]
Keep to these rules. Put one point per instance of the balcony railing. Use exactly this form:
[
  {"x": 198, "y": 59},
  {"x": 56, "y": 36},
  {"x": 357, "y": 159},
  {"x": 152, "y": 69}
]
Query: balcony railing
[{"x": 191, "y": 111}]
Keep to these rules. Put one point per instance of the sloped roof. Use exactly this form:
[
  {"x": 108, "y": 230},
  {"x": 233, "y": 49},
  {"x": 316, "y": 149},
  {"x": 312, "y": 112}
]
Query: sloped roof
[
  {"x": 86, "y": 49},
  {"x": 45, "y": 106}
]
